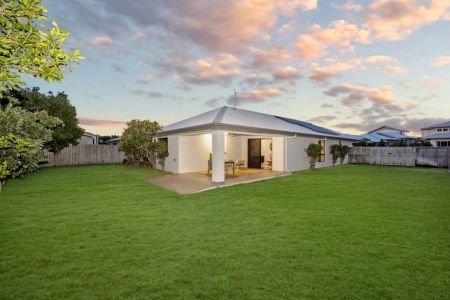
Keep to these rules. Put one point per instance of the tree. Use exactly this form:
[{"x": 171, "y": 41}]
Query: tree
[
  {"x": 313, "y": 152},
  {"x": 381, "y": 143},
  {"x": 343, "y": 151},
  {"x": 163, "y": 152},
  {"x": 140, "y": 143},
  {"x": 22, "y": 138},
  {"x": 335, "y": 152},
  {"x": 27, "y": 47},
  {"x": 419, "y": 142},
  {"x": 55, "y": 105},
  {"x": 399, "y": 143}
]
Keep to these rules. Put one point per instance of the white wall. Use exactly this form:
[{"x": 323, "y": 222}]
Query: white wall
[
  {"x": 171, "y": 164},
  {"x": 297, "y": 159},
  {"x": 194, "y": 153},
  {"x": 278, "y": 153}
]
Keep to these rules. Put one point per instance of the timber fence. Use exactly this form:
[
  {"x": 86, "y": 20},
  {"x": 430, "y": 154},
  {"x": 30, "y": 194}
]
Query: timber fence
[
  {"x": 86, "y": 155},
  {"x": 401, "y": 156}
]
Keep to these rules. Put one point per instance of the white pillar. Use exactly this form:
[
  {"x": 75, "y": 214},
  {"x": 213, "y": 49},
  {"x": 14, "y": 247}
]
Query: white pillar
[{"x": 218, "y": 156}]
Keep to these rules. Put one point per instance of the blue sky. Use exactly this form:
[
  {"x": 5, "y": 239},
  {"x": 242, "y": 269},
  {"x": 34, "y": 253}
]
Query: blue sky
[{"x": 347, "y": 65}]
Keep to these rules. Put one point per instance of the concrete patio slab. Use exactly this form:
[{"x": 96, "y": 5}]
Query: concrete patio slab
[{"x": 191, "y": 183}]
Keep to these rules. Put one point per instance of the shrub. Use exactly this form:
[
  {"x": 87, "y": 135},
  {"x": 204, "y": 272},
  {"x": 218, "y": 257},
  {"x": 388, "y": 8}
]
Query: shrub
[
  {"x": 140, "y": 143},
  {"x": 22, "y": 138},
  {"x": 313, "y": 152},
  {"x": 335, "y": 152}
]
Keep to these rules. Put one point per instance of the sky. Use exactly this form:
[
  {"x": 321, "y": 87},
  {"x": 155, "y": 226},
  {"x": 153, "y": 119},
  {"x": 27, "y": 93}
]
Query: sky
[{"x": 350, "y": 66}]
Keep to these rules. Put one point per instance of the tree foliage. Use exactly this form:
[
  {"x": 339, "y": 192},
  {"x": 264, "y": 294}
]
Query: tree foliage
[
  {"x": 56, "y": 105},
  {"x": 335, "y": 152},
  {"x": 26, "y": 46},
  {"x": 22, "y": 137},
  {"x": 140, "y": 143},
  {"x": 313, "y": 152}
]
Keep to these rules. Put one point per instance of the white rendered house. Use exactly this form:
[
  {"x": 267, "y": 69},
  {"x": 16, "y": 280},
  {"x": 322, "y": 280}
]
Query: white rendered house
[
  {"x": 258, "y": 140},
  {"x": 438, "y": 134}
]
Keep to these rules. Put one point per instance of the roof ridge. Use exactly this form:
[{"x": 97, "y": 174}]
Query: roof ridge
[{"x": 220, "y": 114}]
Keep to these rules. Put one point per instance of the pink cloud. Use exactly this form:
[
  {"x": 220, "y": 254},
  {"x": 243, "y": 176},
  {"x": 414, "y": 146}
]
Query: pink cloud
[
  {"x": 220, "y": 69},
  {"x": 381, "y": 98},
  {"x": 441, "y": 61},
  {"x": 348, "y": 6},
  {"x": 392, "y": 69},
  {"x": 262, "y": 58},
  {"x": 92, "y": 121},
  {"x": 100, "y": 41},
  {"x": 287, "y": 73},
  {"x": 314, "y": 43},
  {"x": 396, "y": 19},
  {"x": 145, "y": 79},
  {"x": 380, "y": 59},
  {"x": 257, "y": 95},
  {"x": 324, "y": 73}
]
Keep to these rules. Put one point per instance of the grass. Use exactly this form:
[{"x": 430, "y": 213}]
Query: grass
[{"x": 351, "y": 232}]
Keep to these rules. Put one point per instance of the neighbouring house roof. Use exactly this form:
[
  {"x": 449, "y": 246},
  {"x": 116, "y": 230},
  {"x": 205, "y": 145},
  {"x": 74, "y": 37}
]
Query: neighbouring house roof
[
  {"x": 438, "y": 136},
  {"x": 444, "y": 124},
  {"x": 388, "y": 127},
  {"x": 112, "y": 141},
  {"x": 89, "y": 134},
  {"x": 235, "y": 118},
  {"x": 385, "y": 136},
  {"x": 396, "y": 135}
]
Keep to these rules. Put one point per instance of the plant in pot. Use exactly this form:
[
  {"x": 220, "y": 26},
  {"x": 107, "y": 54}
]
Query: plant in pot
[{"x": 313, "y": 152}]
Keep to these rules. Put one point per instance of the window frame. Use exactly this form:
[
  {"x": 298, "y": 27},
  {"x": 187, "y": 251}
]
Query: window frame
[{"x": 322, "y": 156}]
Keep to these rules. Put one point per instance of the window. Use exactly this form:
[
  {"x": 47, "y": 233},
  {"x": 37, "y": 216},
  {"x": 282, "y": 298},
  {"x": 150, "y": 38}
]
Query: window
[
  {"x": 322, "y": 150},
  {"x": 443, "y": 144},
  {"x": 439, "y": 129},
  {"x": 445, "y": 129}
]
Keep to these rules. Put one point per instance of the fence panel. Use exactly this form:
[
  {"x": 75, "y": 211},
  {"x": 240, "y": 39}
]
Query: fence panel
[
  {"x": 400, "y": 156},
  {"x": 86, "y": 155}
]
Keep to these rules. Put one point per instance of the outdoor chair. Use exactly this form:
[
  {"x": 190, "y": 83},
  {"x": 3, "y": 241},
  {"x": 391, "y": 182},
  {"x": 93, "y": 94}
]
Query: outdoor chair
[{"x": 240, "y": 164}]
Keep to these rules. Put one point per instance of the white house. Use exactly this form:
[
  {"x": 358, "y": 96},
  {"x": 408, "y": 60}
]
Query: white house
[
  {"x": 388, "y": 134},
  {"x": 438, "y": 134},
  {"x": 88, "y": 139},
  {"x": 255, "y": 139}
]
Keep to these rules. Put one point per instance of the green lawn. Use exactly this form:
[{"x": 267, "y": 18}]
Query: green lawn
[{"x": 339, "y": 233}]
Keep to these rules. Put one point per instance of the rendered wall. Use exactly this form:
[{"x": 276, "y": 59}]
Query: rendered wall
[{"x": 297, "y": 159}]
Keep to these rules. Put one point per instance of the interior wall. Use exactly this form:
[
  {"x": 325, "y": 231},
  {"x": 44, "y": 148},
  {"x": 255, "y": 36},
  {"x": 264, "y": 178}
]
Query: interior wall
[{"x": 265, "y": 149}]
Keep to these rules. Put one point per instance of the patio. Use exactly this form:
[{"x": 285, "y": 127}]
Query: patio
[{"x": 190, "y": 183}]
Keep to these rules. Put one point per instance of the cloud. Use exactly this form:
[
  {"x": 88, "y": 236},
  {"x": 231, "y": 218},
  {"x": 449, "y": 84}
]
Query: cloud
[
  {"x": 92, "y": 121},
  {"x": 396, "y": 19},
  {"x": 259, "y": 79},
  {"x": 145, "y": 79},
  {"x": 380, "y": 59},
  {"x": 348, "y": 6},
  {"x": 323, "y": 73},
  {"x": 412, "y": 124},
  {"x": 381, "y": 98},
  {"x": 220, "y": 69},
  {"x": 322, "y": 119},
  {"x": 431, "y": 82},
  {"x": 392, "y": 69},
  {"x": 262, "y": 58},
  {"x": 441, "y": 61},
  {"x": 287, "y": 73},
  {"x": 117, "y": 68},
  {"x": 214, "y": 25},
  {"x": 100, "y": 41},
  {"x": 340, "y": 33},
  {"x": 256, "y": 95},
  {"x": 149, "y": 94}
]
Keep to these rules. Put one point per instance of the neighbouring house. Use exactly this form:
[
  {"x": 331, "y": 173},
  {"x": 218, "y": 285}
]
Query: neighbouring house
[
  {"x": 88, "y": 139},
  {"x": 438, "y": 134},
  {"x": 389, "y": 135},
  {"x": 114, "y": 141},
  {"x": 255, "y": 140}
]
